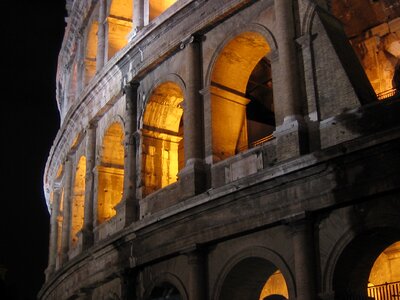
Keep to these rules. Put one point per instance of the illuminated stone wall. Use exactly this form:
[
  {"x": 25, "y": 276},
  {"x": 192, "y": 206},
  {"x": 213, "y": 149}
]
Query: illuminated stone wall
[{"x": 222, "y": 150}]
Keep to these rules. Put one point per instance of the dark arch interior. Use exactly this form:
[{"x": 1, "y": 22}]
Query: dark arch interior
[
  {"x": 165, "y": 291},
  {"x": 260, "y": 111},
  {"x": 246, "y": 279},
  {"x": 355, "y": 263}
]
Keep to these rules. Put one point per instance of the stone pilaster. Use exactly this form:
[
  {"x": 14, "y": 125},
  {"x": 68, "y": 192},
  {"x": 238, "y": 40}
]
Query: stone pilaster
[
  {"x": 101, "y": 36},
  {"x": 197, "y": 276},
  {"x": 313, "y": 118},
  {"x": 192, "y": 176},
  {"x": 304, "y": 256},
  {"x": 65, "y": 238},
  {"x": 55, "y": 209},
  {"x": 129, "y": 197},
  {"x": 290, "y": 127},
  {"x": 138, "y": 14},
  {"x": 89, "y": 186}
]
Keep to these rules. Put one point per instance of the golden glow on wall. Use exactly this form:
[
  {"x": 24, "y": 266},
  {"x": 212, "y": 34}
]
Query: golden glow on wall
[
  {"x": 60, "y": 218},
  {"x": 78, "y": 200},
  {"x": 387, "y": 266},
  {"x": 229, "y": 92},
  {"x": 162, "y": 137},
  {"x": 119, "y": 25},
  {"x": 157, "y": 7},
  {"x": 91, "y": 52},
  {"x": 375, "y": 37},
  {"x": 110, "y": 173},
  {"x": 275, "y": 285}
]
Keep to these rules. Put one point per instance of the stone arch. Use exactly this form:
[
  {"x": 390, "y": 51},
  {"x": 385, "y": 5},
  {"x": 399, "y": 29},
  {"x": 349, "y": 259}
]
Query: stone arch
[
  {"x": 351, "y": 260},
  {"x": 110, "y": 171},
  {"x": 78, "y": 200},
  {"x": 119, "y": 25},
  {"x": 253, "y": 27},
  {"x": 162, "y": 136},
  {"x": 240, "y": 85},
  {"x": 90, "y": 51},
  {"x": 255, "y": 264},
  {"x": 166, "y": 281},
  {"x": 172, "y": 77}
]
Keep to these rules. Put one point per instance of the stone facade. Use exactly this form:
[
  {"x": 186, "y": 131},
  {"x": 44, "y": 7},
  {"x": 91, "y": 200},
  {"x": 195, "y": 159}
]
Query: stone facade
[{"x": 221, "y": 149}]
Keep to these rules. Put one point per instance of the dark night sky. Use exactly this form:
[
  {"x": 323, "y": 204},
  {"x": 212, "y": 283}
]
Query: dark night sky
[{"x": 31, "y": 39}]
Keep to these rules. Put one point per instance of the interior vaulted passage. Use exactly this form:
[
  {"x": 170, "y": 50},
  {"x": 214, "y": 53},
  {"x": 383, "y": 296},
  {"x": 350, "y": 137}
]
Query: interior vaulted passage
[
  {"x": 242, "y": 100},
  {"x": 163, "y": 154},
  {"x": 78, "y": 200},
  {"x": 110, "y": 173}
]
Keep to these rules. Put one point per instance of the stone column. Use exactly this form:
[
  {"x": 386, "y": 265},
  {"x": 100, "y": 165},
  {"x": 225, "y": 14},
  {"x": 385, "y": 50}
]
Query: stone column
[
  {"x": 291, "y": 129},
  {"x": 65, "y": 237},
  {"x": 192, "y": 176},
  {"x": 304, "y": 257},
  {"x": 313, "y": 117},
  {"x": 146, "y": 12},
  {"x": 197, "y": 276},
  {"x": 101, "y": 36},
  {"x": 288, "y": 85},
  {"x": 89, "y": 186},
  {"x": 138, "y": 14},
  {"x": 131, "y": 203},
  {"x": 55, "y": 209}
]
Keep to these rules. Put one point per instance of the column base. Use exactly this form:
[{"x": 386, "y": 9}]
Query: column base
[
  {"x": 193, "y": 178},
  {"x": 291, "y": 138}
]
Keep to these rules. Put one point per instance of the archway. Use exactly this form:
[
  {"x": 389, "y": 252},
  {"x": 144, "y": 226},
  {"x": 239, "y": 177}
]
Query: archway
[
  {"x": 374, "y": 35},
  {"x": 91, "y": 52},
  {"x": 254, "y": 278},
  {"x": 119, "y": 23},
  {"x": 78, "y": 200},
  {"x": 384, "y": 278},
  {"x": 163, "y": 154},
  {"x": 110, "y": 173},
  {"x": 355, "y": 266},
  {"x": 165, "y": 291},
  {"x": 241, "y": 96}
]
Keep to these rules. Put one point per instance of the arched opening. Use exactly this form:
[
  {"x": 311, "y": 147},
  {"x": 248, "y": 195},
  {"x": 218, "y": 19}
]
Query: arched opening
[
  {"x": 241, "y": 96},
  {"x": 119, "y": 25},
  {"x": 254, "y": 278},
  {"x": 375, "y": 37},
  {"x": 157, "y": 7},
  {"x": 365, "y": 263},
  {"x": 163, "y": 155},
  {"x": 91, "y": 52},
  {"x": 275, "y": 287},
  {"x": 165, "y": 291},
  {"x": 78, "y": 200},
  {"x": 384, "y": 278},
  {"x": 110, "y": 173},
  {"x": 60, "y": 219}
]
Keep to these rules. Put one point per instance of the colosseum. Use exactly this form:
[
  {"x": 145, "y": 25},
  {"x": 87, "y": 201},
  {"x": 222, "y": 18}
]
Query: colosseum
[{"x": 226, "y": 149}]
